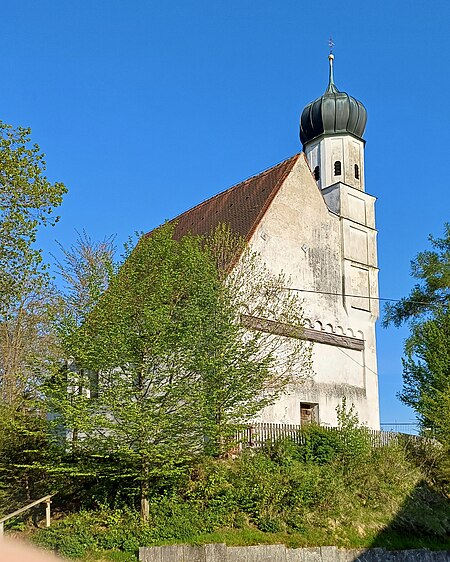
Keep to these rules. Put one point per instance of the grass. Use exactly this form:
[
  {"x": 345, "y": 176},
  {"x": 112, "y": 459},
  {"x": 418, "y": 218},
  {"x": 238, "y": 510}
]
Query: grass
[
  {"x": 391, "y": 540},
  {"x": 109, "y": 556},
  {"x": 350, "y": 538}
]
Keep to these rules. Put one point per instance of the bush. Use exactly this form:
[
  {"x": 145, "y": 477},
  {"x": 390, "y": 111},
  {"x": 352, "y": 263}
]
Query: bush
[
  {"x": 173, "y": 518},
  {"x": 320, "y": 445},
  {"x": 72, "y": 537},
  {"x": 354, "y": 440},
  {"x": 269, "y": 524},
  {"x": 93, "y": 530},
  {"x": 282, "y": 451}
]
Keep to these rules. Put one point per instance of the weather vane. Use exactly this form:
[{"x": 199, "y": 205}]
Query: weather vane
[{"x": 331, "y": 44}]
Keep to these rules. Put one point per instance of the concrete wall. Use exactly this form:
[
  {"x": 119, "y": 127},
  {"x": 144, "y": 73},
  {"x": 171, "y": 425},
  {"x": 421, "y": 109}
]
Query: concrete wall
[{"x": 279, "y": 553}]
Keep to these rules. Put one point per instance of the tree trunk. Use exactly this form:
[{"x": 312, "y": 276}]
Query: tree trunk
[{"x": 144, "y": 491}]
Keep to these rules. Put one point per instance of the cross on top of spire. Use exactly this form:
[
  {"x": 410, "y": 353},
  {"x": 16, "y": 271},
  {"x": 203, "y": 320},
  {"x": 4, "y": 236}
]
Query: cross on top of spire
[
  {"x": 331, "y": 44},
  {"x": 331, "y": 84}
]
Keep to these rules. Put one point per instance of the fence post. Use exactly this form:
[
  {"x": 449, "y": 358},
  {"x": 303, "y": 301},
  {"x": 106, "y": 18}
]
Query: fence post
[{"x": 47, "y": 512}]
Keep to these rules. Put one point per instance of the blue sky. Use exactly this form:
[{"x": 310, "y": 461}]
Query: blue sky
[{"x": 146, "y": 108}]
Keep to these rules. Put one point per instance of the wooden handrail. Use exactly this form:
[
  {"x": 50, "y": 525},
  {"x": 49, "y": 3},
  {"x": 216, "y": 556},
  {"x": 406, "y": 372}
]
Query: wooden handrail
[{"x": 45, "y": 499}]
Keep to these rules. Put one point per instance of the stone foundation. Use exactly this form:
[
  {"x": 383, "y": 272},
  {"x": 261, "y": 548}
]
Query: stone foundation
[{"x": 279, "y": 553}]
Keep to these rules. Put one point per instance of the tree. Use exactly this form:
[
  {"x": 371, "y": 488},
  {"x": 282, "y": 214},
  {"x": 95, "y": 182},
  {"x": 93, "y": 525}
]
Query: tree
[
  {"x": 27, "y": 201},
  {"x": 426, "y": 365},
  {"x": 33, "y": 458},
  {"x": 243, "y": 370},
  {"x": 426, "y": 372},
  {"x": 27, "y": 457},
  {"x": 27, "y": 300},
  {"x": 86, "y": 268},
  {"x": 176, "y": 371}
]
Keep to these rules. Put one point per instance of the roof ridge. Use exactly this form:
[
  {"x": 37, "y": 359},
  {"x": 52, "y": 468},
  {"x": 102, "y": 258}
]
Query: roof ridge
[{"x": 236, "y": 185}]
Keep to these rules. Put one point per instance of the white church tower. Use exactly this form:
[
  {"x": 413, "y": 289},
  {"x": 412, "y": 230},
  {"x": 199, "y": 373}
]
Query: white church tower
[{"x": 331, "y": 130}]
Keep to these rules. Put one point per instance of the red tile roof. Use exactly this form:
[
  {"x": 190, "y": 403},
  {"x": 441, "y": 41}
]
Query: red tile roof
[{"x": 241, "y": 206}]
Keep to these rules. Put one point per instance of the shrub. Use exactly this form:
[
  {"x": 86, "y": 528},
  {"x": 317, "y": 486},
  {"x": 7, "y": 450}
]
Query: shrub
[
  {"x": 355, "y": 443},
  {"x": 91, "y": 530},
  {"x": 319, "y": 445},
  {"x": 282, "y": 451},
  {"x": 71, "y": 537},
  {"x": 173, "y": 518},
  {"x": 259, "y": 485},
  {"x": 331, "y": 485},
  {"x": 269, "y": 524}
]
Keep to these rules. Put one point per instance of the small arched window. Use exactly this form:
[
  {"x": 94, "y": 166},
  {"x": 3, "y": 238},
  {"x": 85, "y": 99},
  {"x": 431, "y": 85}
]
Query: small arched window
[
  {"x": 356, "y": 171},
  {"x": 317, "y": 173},
  {"x": 337, "y": 168}
]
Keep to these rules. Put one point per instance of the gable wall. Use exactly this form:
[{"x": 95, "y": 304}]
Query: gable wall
[{"x": 316, "y": 248}]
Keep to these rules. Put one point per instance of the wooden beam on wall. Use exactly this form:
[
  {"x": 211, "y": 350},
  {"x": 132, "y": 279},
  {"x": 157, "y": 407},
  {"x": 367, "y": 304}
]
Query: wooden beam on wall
[{"x": 317, "y": 336}]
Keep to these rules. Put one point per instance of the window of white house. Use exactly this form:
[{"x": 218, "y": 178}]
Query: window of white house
[{"x": 309, "y": 413}]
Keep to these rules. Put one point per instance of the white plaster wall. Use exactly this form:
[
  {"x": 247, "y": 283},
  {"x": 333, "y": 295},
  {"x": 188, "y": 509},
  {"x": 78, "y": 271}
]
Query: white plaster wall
[
  {"x": 302, "y": 237},
  {"x": 349, "y": 150}
]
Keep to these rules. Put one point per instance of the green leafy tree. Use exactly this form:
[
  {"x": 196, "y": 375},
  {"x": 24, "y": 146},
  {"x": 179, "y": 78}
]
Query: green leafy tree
[
  {"x": 27, "y": 458},
  {"x": 27, "y": 201},
  {"x": 137, "y": 342},
  {"x": 243, "y": 370},
  {"x": 27, "y": 302},
  {"x": 175, "y": 371},
  {"x": 426, "y": 365},
  {"x": 426, "y": 373},
  {"x": 85, "y": 268}
]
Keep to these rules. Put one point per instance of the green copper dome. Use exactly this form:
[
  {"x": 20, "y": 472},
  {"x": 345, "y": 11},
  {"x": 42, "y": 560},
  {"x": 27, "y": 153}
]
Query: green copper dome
[{"x": 333, "y": 113}]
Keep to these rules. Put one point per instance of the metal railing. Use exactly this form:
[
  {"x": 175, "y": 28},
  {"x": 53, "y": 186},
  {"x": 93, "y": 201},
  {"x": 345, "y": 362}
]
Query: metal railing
[
  {"x": 45, "y": 499},
  {"x": 410, "y": 428}
]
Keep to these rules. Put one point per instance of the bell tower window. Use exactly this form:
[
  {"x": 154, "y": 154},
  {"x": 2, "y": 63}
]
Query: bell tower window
[
  {"x": 356, "y": 171},
  {"x": 317, "y": 173},
  {"x": 337, "y": 168}
]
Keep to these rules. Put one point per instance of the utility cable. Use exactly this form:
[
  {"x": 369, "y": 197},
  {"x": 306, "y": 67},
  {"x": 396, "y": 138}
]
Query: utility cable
[
  {"x": 359, "y": 296},
  {"x": 357, "y": 362}
]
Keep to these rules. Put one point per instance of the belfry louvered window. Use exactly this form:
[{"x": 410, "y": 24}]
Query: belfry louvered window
[
  {"x": 337, "y": 168},
  {"x": 356, "y": 171},
  {"x": 317, "y": 173}
]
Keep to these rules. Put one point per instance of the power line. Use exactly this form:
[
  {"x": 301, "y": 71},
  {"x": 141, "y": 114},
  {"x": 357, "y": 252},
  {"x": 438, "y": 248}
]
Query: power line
[
  {"x": 358, "y": 296},
  {"x": 357, "y": 362}
]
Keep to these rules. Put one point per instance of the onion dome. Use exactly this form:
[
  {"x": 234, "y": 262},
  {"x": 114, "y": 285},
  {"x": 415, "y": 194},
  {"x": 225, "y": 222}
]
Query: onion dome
[{"x": 333, "y": 113}]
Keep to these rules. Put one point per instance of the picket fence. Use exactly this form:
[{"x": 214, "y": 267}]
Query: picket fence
[{"x": 257, "y": 434}]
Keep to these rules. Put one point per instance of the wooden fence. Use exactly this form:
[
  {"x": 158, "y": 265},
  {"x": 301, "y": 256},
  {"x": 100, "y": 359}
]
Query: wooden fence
[
  {"x": 46, "y": 499},
  {"x": 256, "y": 435}
]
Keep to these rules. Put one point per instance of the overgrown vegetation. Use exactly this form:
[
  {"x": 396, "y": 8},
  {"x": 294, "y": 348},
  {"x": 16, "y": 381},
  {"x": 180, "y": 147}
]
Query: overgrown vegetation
[{"x": 334, "y": 488}]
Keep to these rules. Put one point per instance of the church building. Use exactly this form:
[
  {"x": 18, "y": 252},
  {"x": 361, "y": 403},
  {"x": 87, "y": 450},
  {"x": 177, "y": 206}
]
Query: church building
[{"x": 311, "y": 218}]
